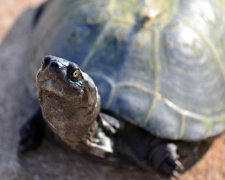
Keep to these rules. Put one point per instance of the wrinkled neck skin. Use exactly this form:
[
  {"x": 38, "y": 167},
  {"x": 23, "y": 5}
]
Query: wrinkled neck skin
[{"x": 72, "y": 118}]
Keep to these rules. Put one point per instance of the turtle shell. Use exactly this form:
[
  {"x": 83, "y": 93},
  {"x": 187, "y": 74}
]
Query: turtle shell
[{"x": 159, "y": 63}]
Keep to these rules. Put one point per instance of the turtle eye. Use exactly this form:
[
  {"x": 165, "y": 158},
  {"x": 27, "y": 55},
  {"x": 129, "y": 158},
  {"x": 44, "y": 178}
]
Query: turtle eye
[
  {"x": 73, "y": 73},
  {"x": 76, "y": 73}
]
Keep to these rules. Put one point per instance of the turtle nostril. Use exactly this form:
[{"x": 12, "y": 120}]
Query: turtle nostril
[
  {"x": 54, "y": 66},
  {"x": 46, "y": 61}
]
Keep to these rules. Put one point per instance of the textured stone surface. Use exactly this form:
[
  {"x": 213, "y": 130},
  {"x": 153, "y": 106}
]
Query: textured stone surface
[{"x": 51, "y": 162}]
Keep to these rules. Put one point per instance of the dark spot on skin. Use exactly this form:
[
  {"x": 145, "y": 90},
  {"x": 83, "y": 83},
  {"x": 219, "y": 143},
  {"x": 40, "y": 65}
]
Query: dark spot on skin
[
  {"x": 47, "y": 60},
  {"x": 54, "y": 66}
]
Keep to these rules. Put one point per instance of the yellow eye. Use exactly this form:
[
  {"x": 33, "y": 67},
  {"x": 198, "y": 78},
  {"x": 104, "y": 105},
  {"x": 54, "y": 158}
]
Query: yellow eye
[{"x": 76, "y": 73}]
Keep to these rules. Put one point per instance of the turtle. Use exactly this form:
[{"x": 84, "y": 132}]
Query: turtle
[{"x": 128, "y": 81}]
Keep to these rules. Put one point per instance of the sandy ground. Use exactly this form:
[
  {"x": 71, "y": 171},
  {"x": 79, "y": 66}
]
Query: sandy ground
[{"x": 50, "y": 162}]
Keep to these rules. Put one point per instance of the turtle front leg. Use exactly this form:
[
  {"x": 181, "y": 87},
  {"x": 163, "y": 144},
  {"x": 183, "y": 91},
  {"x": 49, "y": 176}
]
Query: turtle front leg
[
  {"x": 32, "y": 132},
  {"x": 118, "y": 141},
  {"x": 147, "y": 151},
  {"x": 101, "y": 143},
  {"x": 164, "y": 158}
]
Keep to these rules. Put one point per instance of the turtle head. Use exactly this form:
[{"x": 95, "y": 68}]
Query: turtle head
[
  {"x": 61, "y": 78},
  {"x": 68, "y": 97},
  {"x": 65, "y": 80}
]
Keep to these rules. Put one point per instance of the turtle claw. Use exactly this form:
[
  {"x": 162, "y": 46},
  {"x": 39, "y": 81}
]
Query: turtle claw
[
  {"x": 179, "y": 165},
  {"x": 169, "y": 169},
  {"x": 175, "y": 175},
  {"x": 165, "y": 159}
]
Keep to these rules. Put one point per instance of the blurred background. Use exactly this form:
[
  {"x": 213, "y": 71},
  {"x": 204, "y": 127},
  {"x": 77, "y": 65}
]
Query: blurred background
[{"x": 50, "y": 162}]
